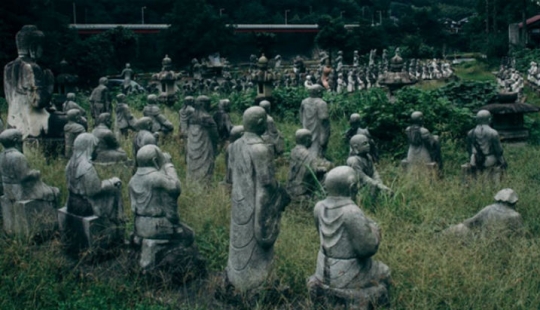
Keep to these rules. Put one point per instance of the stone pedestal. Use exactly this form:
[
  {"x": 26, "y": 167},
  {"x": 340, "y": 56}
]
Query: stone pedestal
[
  {"x": 80, "y": 233},
  {"x": 28, "y": 218}
]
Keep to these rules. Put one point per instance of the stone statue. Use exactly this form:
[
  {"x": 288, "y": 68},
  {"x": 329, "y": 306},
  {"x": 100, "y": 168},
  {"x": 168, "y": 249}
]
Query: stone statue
[
  {"x": 160, "y": 123},
  {"x": 314, "y": 117},
  {"x": 362, "y": 163},
  {"x": 223, "y": 120},
  {"x": 356, "y": 123},
  {"x": 257, "y": 204},
  {"x": 345, "y": 270},
  {"x": 424, "y": 148},
  {"x": 339, "y": 61},
  {"x": 124, "y": 118},
  {"x": 127, "y": 74},
  {"x": 70, "y": 104},
  {"x": 28, "y": 204},
  {"x": 500, "y": 216},
  {"x": 201, "y": 141},
  {"x": 166, "y": 243},
  {"x": 100, "y": 101},
  {"x": 356, "y": 59},
  {"x": 306, "y": 169},
  {"x": 108, "y": 149},
  {"x": 28, "y": 88},
  {"x": 72, "y": 130},
  {"x": 236, "y": 133},
  {"x": 277, "y": 64},
  {"x": 272, "y": 136},
  {"x": 144, "y": 135},
  {"x": 94, "y": 214},
  {"x": 184, "y": 114},
  {"x": 485, "y": 149}
]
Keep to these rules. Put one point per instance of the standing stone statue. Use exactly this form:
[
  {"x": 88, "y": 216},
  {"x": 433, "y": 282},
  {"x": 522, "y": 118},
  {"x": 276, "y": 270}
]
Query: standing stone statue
[
  {"x": 160, "y": 122},
  {"x": 424, "y": 148},
  {"x": 306, "y": 169},
  {"x": 94, "y": 215},
  {"x": 100, "y": 101},
  {"x": 28, "y": 204},
  {"x": 28, "y": 87},
  {"x": 236, "y": 133},
  {"x": 184, "y": 114},
  {"x": 124, "y": 118},
  {"x": 257, "y": 203},
  {"x": 201, "y": 142},
  {"x": 500, "y": 216},
  {"x": 108, "y": 149},
  {"x": 362, "y": 163},
  {"x": 166, "y": 244},
  {"x": 223, "y": 120},
  {"x": 272, "y": 136},
  {"x": 345, "y": 271},
  {"x": 485, "y": 149},
  {"x": 72, "y": 130},
  {"x": 356, "y": 123},
  {"x": 127, "y": 74},
  {"x": 314, "y": 117}
]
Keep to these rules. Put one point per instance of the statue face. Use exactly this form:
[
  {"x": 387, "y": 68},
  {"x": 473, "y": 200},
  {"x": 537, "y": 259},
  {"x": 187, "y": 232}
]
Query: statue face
[
  {"x": 36, "y": 52},
  {"x": 361, "y": 147}
]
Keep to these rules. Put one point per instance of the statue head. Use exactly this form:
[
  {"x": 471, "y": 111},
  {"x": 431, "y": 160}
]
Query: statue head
[
  {"x": 12, "y": 138},
  {"x": 236, "y": 133},
  {"x": 263, "y": 62},
  {"x": 265, "y": 104},
  {"x": 341, "y": 182},
  {"x": 355, "y": 120},
  {"x": 507, "y": 196},
  {"x": 29, "y": 42},
  {"x": 150, "y": 156},
  {"x": 128, "y": 65},
  {"x": 202, "y": 102},
  {"x": 303, "y": 137},
  {"x": 103, "y": 81},
  {"x": 120, "y": 98},
  {"x": 483, "y": 117},
  {"x": 105, "y": 119},
  {"x": 225, "y": 105},
  {"x": 254, "y": 120},
  {"x": 85, "y": 145},
  {"x": 74, "y": 115},
  {"x": 315, "y": 91},
  {"x": 144, "y": 123},
  {"x": 70, "y": 96},
  {"x": 417, "y": 118},
  {"x": 151, "y": 99},
  {"x": 166, "y": 63},
  {"x": 359, "y": 145},
  {"x": 188, "y": 101}
]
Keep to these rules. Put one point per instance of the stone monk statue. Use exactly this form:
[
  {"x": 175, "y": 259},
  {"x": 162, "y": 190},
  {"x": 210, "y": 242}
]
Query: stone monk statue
[
  {"x": 272, "y": 136},
  {"x": 345, "y": 270},
  {"x": 108, "y": 149},
  {"x": 314, "y": 117},
  {"x": 160, "y": 122},
  {"x": 124, "y": 119},
  {"x": 257, "y": 203},
  {"x": 100, "y": 100},
  {"x": 424, "y": 148},
  {"x": 72, "y": 130}
]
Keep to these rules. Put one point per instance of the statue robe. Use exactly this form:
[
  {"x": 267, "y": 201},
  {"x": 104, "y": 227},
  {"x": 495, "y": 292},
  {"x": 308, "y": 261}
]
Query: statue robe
[
  {"x": 108, "y": 148},
  {"x": 201, "y": 146},
  {"x": 314, "y": 117},
  {"x": 302, "y": 172}
]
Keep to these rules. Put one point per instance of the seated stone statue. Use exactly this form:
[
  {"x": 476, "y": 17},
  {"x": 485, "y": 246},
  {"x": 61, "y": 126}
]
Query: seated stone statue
[
  {"x": 500, "y": 216},
  {"x": 305, "y": 169},
  {"x": 355, "y": 122},
  {"x": 485, "y": 149},
  {"x": 424, "y": 148},
  {"x": 124, "y": 118},
  {"x": 72, "y": 130},
  {"x": 236, "y": 133},
  {"x": 166, "y": 243},
  {"x": 71, "y": 104},
  {"x": 91, "y": 202},
  {"x": 160, "y": 123},
  {"x": 362, "y": 163},
  {"x": 24, "y": 192},
  {"x": 108, "y": 148},
  {"x": 100, "y": 101},
  {"x": 144, "y": 136},
  {"x": 272, "y": 136},
  {"x": 345, "y": 271}
]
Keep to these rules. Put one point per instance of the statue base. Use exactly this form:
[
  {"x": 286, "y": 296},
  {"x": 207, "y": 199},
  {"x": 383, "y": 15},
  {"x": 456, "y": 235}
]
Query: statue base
[
  {"x": 28, "y": 218},
  {"x": 88, "y": 233}
]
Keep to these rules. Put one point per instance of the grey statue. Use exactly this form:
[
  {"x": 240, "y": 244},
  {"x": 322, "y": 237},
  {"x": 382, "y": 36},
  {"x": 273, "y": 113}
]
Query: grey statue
[
  {"x": 306, "y": 169},
  {"x": 355, "y": 123},
  {"x": 424, "y": 148},
  {"x": 314, "y": 117},
  {"x": 19, "y": 181},
  {"x": 272, "y": 136},
  {"x": 223, "y": 120},
  {"x": 166, "y": 243},
  {"x": 160, "y": 122},
  {"x": 100, "y": 101},
  {"x": 184, "y": 114},
  {"x": 108, "y": 149},
  {"x": 236, "y": 133},
  {"x": 124, "y": 118},
  {"x": 362, "y": 163},
  {"x": 257, "y": 203},
  {"x": 144, "y": 135},
  {"x": 201, "y": 141},
  {"x": 72, "y": 130},
  {"x": 501, "y": 216},
  {"x": 71, "y": 104},
  {"x": 345, "y": 268},
  {"x": 485, "y": 149},
  {"x": 127, "y": 74}
]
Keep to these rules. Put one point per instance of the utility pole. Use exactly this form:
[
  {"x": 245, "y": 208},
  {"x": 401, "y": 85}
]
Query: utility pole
[
  {"x": 286, "y": 11},
  {"x": 142, "y": 14},
  {"x": 74, "y": 13}
]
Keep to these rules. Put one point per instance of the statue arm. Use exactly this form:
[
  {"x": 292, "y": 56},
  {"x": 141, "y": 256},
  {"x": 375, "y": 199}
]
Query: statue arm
[
  {"x": 361, "y": 175},
  {"x": 363, "y": 233},
  {"x": 210, "y": 125},
  {"x": 165, "y": 122},
  {"x": 325, "y": 121},
  {"x": 498, "y": 150},
  {"x": 111, "y": 141}
]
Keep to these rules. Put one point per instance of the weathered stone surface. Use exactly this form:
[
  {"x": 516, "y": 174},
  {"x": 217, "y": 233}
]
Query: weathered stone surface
[
  {"x": 100, "y": 100},
  {"x": 257, "y": 203},
  {"x": 144, "y": 136},
  {"x": 424, "y": 148},
  {"x": 355, "y": 122},
  {"x": 314, "y": 117},
  {"x": 184, "y": 114},
  {"x": 124, "y": 119},
  {"x": 108, "y": 149},
  {"x": 72, "y": 130},
  {"x": 29, "y": 218},
  {"x": 346, "y": 273},
  {"x": 223, "y": 120},
  {"x": 236, "y": 133},
  {"x": 160, "y": 122},
  {"x": 272, "y": 136}
]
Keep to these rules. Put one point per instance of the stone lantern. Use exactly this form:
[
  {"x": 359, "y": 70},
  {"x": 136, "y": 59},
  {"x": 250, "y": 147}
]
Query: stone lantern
[
  {"x": 167, "y": 83},
  {"x": 396, "y": 78},
  {"x": 264, "y": 79}
]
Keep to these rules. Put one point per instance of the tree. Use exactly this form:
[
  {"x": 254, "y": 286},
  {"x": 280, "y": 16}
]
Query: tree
[{"x": 332, "y": 34}]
